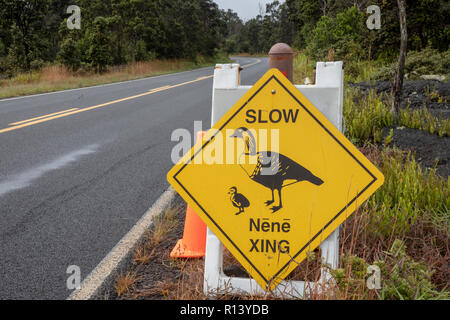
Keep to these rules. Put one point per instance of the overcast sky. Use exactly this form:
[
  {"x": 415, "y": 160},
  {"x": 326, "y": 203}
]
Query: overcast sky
[{"x": 246, "y": 9}]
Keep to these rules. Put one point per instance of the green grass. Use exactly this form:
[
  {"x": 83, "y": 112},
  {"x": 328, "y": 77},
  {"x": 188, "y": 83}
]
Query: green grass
[
  {"x": 422, "y": 119},
  {"x": 404, "y": 227},
  {"x": 303, "y": 67},
  {"x": 409, "y": 193},
  {"x": 366, "y": 115},
  {"x": 362, "y": 71},
  {"x": 401, "y": 277},
  {"x": 355, "y": 71}
]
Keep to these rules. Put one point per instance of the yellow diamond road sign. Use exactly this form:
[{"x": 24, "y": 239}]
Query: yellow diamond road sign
[{"x": 274, "y": 178}]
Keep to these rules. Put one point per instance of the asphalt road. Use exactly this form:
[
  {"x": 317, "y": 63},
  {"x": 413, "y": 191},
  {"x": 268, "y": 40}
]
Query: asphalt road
[{"x": 72, "y": 184}]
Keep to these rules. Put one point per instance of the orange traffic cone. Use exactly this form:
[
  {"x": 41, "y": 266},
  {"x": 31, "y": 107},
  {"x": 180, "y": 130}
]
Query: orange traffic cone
[{"x": 193, "y": 244}]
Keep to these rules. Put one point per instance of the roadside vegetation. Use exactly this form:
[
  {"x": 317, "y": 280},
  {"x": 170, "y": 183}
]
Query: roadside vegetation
[
  {"x": 404, "y": 227},
  {"x": 56, "y": 77}
]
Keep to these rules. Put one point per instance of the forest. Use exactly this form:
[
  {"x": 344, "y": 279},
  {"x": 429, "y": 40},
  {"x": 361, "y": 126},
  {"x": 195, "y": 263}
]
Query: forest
[
  {"x": 340, "y": 25},
  {"x": 115, "y": 32}
]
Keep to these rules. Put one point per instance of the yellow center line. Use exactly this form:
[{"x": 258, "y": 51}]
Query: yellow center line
[
  {"x": 251, "y": 64},
  {"x": 159, "y": 89},
  {"x": 192, "y": 81},
  {"x": 45, "y": 116},
  {"x": 205, "y": 77},
  {"x": 54, "y": 116}
]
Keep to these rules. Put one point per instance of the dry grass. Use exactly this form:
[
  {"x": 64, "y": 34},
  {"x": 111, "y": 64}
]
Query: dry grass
[
  {"x": 124, "y": 283},
  {"x": 190, "y": 284},
  {"x": 56, "y": 77},
  {"x": 143, "y": 255},
  {"x": 304, "y": 67},
  {"x": 162, "y": 225},
  {"x": 146, "y": 251},
  {"x": 359, "y": 247}
]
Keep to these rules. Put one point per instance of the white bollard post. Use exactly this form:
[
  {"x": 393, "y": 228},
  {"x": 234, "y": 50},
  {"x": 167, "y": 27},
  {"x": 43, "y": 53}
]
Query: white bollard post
[
  {"x": 330, "y": 74},
  {"x": 226, "y": 76}
]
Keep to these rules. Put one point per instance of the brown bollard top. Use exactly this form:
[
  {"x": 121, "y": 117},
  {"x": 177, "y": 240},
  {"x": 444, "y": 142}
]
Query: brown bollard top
[
  {"x": 281, "y": 56},
  {"x": 281, "y": 49}
]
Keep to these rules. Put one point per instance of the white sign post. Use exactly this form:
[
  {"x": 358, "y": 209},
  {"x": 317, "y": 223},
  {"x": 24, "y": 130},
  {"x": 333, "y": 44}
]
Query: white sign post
[{"x": 327, "y": 96}]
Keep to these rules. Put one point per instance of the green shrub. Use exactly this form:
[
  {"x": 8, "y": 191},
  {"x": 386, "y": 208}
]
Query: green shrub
[
  {"x": 385, "y": 72},
  {"x": 408, "y": 193},
  {"x": 402, "y": 278},
  {"x": 343, "y": 33},
  {"x": 69, "y": 53},
  {"x": 422, "y": 119},
  {"x": 418, "y": 63},
  {"x": 405, "y": 279},
  {"x": 351, "y": 278},
  {"x": 303, "y": 67},
  {"x": 5, "y": 68},
  {"x": 365, "y": 116},
  {"x": 428, "y": 61},
  {"x": 37, "y": 64},
  {"x": 362, "y": 70},
  {"x": 99, "y": 45}
]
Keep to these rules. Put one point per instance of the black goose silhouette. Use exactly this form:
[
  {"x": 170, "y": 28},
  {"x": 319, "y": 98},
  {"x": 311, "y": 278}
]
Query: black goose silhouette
[
  {"x": 272, "y": 168},
  {"x": 238, "y": 200}
]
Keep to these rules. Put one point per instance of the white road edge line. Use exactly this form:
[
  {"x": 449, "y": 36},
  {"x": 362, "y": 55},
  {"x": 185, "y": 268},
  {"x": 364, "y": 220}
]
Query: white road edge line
[{"x": 109, "y": 265}]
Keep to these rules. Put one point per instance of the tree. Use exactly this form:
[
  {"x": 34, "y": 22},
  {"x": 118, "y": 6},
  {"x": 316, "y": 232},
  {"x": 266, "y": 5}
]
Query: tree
[
  {"x": 99, "y": 49},
  {"x": 398, "y": 81},
  {"x": 304, "y": 14},
  {"x": 26, "y": 21},
  {"x": 17, "y": 53},
  {"x": 141, "y": 29},
  {"x": 69, "y": 54},
  {"x": 129, "y": 22},
  {"x": 343, "y": 33}
]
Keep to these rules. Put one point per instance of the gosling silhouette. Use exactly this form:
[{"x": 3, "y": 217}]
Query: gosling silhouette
[
  {"x": 238, "y": 200},
  {"x": 272, "y": 169}
]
